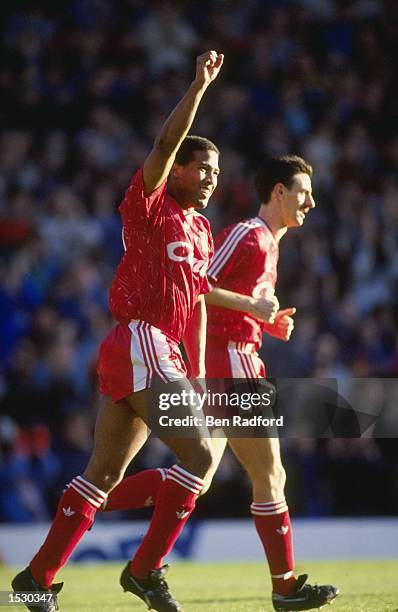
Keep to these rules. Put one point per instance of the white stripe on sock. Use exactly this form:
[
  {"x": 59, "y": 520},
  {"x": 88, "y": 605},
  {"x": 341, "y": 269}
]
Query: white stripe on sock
[
  {"x": 269, "y": 513},
  {"x": 182, "y": 484},
  {"x": 92, "y": 501},
  {"x": 268, "y": 505},
  {"x": 188, "y": 475},
  {"x": 92, "y": 487},
  {"x": 88, "y": 491}
]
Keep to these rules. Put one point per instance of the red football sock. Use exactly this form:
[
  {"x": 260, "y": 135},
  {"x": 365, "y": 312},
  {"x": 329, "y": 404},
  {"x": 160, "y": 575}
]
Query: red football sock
[
  {"x": 174, "y": 504},
  {"x": 75, "y": 514},
  {"x": 136, "y": 491},
  {"x": 273, "y": 525}
]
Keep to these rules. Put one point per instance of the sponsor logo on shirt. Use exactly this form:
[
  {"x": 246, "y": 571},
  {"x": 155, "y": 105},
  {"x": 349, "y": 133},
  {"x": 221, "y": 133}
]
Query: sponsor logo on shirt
[{"x": 183, "y": 251}]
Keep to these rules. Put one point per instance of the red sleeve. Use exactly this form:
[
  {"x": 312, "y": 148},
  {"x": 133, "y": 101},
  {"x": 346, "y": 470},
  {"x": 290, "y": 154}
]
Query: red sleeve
[{"x": 137, "y": 205}]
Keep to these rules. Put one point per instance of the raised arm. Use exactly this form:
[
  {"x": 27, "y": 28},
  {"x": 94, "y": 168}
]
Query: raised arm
[
  {"x": 261, "y": 308},
  {"x": 158, "y": 163}
]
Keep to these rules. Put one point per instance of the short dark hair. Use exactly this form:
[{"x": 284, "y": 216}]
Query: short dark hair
[
  {"x": 189, "y": 145},
  {"x": 278, "y": 170}
]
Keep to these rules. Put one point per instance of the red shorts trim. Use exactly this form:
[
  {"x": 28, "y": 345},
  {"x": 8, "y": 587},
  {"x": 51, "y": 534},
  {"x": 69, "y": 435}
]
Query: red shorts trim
[
  {"x": 229, "y": 359},
  {"x": 131, "y": 355}
]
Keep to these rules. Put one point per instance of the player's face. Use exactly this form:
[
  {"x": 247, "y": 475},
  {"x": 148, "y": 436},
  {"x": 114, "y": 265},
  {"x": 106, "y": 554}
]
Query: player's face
[
  {"x": 297, "y": 201},
  {"x": 194, "y": 183}
]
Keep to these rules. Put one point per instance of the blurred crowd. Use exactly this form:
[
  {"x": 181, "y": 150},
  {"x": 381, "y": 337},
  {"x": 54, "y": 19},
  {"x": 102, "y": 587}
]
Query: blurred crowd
[{"x": 85, "y": 86}]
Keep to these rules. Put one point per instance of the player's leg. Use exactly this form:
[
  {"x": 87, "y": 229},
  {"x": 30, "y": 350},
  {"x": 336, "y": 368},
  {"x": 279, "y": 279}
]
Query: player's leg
[
  {"x": 218, "y": 444},
  {"x": 261, "y": 458},
  {"x": 125, "y": 367},
  {"x": 177, "y": 494},
  {"x": 119, "y": 434},
  {"x": 141, "y": 490},
  {"x": 173, "y": 507},
  {"x": 176, "y": 498},
  {"x": 136, "y": 491}
]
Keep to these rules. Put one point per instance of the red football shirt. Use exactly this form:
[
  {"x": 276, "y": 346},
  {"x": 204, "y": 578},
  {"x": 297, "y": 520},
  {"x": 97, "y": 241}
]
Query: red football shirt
[
  {"x": 163, "y": 269},
  {"x": 246, "y": 262}
]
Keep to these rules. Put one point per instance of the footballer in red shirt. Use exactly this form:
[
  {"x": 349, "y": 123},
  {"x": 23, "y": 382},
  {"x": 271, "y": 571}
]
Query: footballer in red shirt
[
  {"x": 157, "y": 284},
  {"x": 157, "y": 299},
  {"x": 167, "y": 252},
  {"x": 246, "y": 263},
  {"x": 241, "y": 306}
]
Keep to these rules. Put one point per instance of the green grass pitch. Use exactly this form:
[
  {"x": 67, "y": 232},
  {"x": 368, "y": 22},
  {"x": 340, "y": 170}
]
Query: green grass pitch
[{"x": 368, "y": 586}]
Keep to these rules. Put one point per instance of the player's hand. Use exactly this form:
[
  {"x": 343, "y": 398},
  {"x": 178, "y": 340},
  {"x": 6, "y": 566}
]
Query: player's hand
[
  {"x": 208, "y": 66},
  {"x": 283, "y": 324},
  {"x": 265, "y": 309}
]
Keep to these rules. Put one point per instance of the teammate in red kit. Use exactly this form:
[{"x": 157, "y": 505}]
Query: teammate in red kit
[
  {"x": 244, "y": 273},
  {"x": 157, "y": 298},
  {"x": 242, "y": 306},
  {"x": 245, "y": 263}
]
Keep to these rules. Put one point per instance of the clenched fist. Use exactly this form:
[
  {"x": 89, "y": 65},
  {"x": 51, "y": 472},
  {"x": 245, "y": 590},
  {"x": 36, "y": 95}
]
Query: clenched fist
[
  {"x": 283, "y": 324},
  {"x": 208, "y": 66},
  {"x": 265, "y": 309}
]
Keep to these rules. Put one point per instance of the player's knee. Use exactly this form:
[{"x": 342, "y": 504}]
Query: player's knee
[
  {"x": 200, "y": 459},
  {"x": 280, "y": 477},
  {"x": 277, "y": 480},
  {"x": 271, "y": 482}
]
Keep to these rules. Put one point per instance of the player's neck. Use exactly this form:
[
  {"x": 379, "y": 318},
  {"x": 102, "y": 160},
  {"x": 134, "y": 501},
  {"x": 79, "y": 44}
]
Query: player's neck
[
  {"x": 178, "y": 196},
  {"x": 272, "y": 219}
]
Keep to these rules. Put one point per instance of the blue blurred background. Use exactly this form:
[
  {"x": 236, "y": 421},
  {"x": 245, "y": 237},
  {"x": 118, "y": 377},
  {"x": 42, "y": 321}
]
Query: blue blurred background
[{"x": 85, "y": 86}]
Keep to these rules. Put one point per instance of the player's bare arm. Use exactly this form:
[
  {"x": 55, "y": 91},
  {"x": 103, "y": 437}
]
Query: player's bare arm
[
  {"x": 195, "y": 339},
  {"x": 283, "y": 324},
  {"x": 260, "y": 308},
  {"x": 158, "y": 163}
]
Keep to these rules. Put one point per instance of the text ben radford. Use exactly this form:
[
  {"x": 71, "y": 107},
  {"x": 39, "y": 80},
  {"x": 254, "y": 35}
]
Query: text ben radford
[{"x": 211, "y": 421}]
